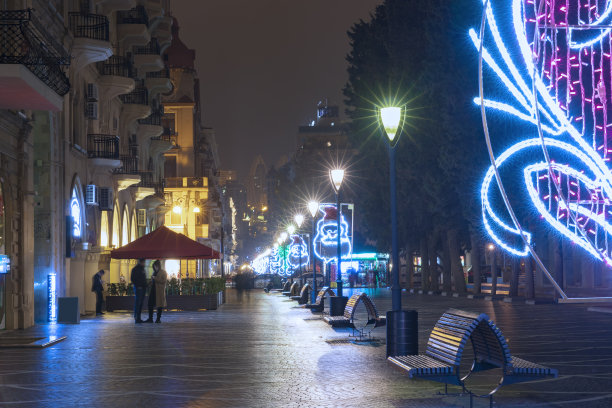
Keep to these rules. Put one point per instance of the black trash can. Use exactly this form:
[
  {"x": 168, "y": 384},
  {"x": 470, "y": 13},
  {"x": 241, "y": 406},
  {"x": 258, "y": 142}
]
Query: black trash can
[
  {"x": 402, "y": 333},
  {"x": 337, "y": 305}
]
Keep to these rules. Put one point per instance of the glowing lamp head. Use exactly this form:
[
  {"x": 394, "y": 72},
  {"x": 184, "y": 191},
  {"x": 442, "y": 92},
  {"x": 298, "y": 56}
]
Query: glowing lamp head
[
  {"x": 299, "y": 219},
  {"x": 283, "y": 236},
  {"x": 336, "y": 176},
  {"x": 291, "y": 229},
  {"x": 177, "y": 209},
  {"x": 196, "y": 209},
  {"x": 313, "y": 207},
  {"x": 491, "y": 247},
  {"x": 391, "y": 118}
]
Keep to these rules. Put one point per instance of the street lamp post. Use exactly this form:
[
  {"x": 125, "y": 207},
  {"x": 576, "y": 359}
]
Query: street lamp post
[
  {"x": 402, "y": 326},
  {"x": 299, "y": 220},
  {"x": 313, "y": 207},
  {"x": 336, "y": 177}
]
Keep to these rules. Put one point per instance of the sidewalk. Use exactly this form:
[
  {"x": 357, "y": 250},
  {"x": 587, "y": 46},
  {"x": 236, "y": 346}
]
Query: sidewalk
[{"x": 258, "y": 350}]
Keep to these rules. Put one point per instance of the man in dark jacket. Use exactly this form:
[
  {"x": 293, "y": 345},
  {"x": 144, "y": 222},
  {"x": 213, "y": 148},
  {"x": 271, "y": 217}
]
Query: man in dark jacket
[
  {"x": 139, "y": 280},
  {"x": 98, "y": 288}
]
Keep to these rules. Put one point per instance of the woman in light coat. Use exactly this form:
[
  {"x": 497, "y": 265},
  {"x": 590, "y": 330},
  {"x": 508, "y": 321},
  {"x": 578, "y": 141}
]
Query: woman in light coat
[{"x": 159, "y": 278}]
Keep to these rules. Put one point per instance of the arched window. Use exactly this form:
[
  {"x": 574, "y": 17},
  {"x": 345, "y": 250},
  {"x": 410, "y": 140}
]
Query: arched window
[
  {"x": 75, "y": 212},
  {"x": 125, "y": 231},
  {"x": 104, "y": 229},
  {"x": 115, "y": 241}
]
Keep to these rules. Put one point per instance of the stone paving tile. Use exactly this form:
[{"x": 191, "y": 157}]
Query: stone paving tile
[{"x": 259, "y": 351}]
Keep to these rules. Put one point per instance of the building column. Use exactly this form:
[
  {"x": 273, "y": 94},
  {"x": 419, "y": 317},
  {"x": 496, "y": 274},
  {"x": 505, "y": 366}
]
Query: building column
[{"x": 77, "y": 278}]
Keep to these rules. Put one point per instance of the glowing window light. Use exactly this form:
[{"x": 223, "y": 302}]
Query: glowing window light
[
  {"x": 325, "y": 241},
  {"x": 562, "y": 103},
  {"x": 125, "y": 235},
  {"x": 173, "y": 267},
  {"x": 115, "y": 236},
  {"x": 75, "y": 212}
]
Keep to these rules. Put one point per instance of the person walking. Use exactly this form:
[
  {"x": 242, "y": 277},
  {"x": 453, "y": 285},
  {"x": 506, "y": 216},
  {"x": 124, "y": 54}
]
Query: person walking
[
  {"x": 98, "y": 287},
  {"x": 139, "y": 280},
  {"x": 157, "y": 293}
]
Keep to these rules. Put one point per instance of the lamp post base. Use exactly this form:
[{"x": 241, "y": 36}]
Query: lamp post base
[
  {"x": 337, "y": 305},
  {"x": 402, "y": 333}
]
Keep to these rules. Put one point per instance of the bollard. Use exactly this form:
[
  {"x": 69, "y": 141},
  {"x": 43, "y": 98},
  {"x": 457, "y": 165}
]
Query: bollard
[{"x": 402, "y": 333}]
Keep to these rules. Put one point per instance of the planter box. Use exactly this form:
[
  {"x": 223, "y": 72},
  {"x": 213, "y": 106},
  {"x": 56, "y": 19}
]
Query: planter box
[{"x": 180, "y": 302}]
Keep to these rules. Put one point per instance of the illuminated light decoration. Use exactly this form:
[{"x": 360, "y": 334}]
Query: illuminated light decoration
[
  {"x": 277, "y": 262},
  {"x": 325, "y": 241},
  {"x": 297, "y": 250},
  {"x": 261, "y": 264},
  {"x": 561, "y": 86},
  {"x": 51, "y": 298},
  {"x": 5, "y": 264},
  {"x": 75, "y": 212}
]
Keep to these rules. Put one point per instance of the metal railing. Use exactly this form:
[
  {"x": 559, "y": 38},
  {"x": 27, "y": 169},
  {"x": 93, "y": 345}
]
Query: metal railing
[
  {"x": 152, "y": 48},
  {"x": 116, "y": 65},
  {"x": 168, "y": 137},
  {"x": 164, "y": 73},
  {"x": 137, "y": 15},
  {"x": 92, "y": 26},
  {"x": 23, "y": 40},
  {"x": 102, "y": 146},
  {"x": 129, "y": 165},
  {"x": 138, "y": 96}
]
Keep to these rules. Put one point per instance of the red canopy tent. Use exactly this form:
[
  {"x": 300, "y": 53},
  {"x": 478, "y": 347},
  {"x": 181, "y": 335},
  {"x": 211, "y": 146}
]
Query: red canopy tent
[{"x": 163, "y": 243}]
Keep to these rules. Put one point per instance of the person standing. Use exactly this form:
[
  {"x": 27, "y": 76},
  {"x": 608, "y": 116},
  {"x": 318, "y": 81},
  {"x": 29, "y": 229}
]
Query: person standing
[
  {"x": 98, "y": 287},
  {"x": 160, "y": 277},
  {"x": 139, "y": 280}
]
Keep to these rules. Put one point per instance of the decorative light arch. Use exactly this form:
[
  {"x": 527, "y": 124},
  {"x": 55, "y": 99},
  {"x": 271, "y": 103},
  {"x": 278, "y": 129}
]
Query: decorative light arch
[{"x": 560, "y": 85}]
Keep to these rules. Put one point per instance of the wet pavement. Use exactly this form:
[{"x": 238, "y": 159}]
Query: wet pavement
[{"x": 259, "y": 350}]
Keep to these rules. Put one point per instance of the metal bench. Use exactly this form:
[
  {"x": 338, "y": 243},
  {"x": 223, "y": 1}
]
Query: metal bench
[
  {"x": 302, "y": 299},
  {"x": 293, "y": 290},
  {"x": 445, "y": 349},
  {"x": 348, "y": 318},
  {"x": 319, "y": 303}
]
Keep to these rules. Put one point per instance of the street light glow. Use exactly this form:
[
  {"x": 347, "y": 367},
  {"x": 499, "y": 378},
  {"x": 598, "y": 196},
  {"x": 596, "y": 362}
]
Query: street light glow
[
  {"x": 299, "y": 219},
  {"x": 291, "y": 229},
  {"x": 177, "y": 209},
  {"x": 336, "y": 176},
  {"x": 283, "y": 236},
  {"x": 391, "y": 118},
  {"x": 196, "y": 209},
  {"x": 313, "y": 207}
]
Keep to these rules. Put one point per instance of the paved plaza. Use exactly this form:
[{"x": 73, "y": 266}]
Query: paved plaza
[{"x": 259, "y": 350}]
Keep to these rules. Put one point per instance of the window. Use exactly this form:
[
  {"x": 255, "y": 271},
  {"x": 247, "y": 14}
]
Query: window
[
  {"x": 170, "y": 167},
  {"x": 75, "y": 212}
]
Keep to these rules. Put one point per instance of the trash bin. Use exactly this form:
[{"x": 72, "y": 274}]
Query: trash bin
[
  {"x": 337, "y": 305},
  {"x": 402, "y": 333}
]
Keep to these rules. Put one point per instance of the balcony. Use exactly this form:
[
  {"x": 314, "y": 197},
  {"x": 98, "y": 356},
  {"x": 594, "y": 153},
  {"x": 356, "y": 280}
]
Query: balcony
[
  {"x": 31, "y": 75},
  {"x": 150, "y": 126},
  {"x": 186, "y": 182},
  {"x": 109, "y": 6},
  {"x": 115, "y": 77},
  {"x": 103, "y": 151},
  {"x": 161, "y": 144},
  {"x": 127, "y": 175},
  {"x": 158, "y": 82},
  {"x": 91, "y": 41},
  {"x": 135, "y": 105},
  {"x": 146, "y": 187},
  {"x": 133, "y": 27},
  {"x": 163, "y": 32},
  {"x": 155, "y": 12},
  {"x": 147, "y": 58}
]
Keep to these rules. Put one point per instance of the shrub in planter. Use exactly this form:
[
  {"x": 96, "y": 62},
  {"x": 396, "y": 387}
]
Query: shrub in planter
[
  {"x": 112, "y": 289},
  {"x": 214, "y": 285}
]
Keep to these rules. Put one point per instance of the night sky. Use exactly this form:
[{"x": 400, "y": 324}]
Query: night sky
[{"x": 263, "y": 66}]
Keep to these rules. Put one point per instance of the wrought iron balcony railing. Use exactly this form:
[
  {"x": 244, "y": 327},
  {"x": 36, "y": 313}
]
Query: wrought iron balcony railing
[
  {"x": 23, "y": 40},
  {"x": 164, "y": 73},
  {"x": 92, "y": 26},
  {"x": 137, "y": 15},
  {"x": 138, "y": 96},
  {"x": 116, "y": 65},
  {"x": 129, "y": 165},
  {"x": 102, "y": 146},
  {"x": 168, "y": 137},
  {"x": 155, "y": 118},
  {"x": 152, "y": 48}
]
